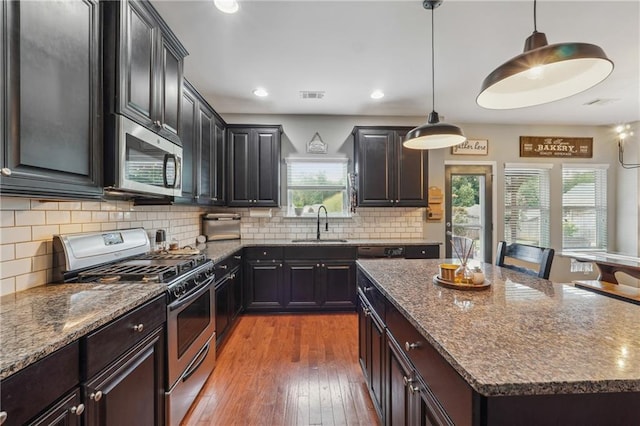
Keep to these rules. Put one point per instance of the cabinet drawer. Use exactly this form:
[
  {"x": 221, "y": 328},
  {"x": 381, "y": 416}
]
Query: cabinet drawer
[
  {"x": 108, "y": 343},
  {"x": 227, "y": 265},
  {"x": 372, "y": 295},
  {"x": 321, "y": 253},
  {"x": 31, "y": 390},
  {"x": 450, "y": 390},
  {"x": 422, "y": 252},
  {"x": 264, "y": 253}
]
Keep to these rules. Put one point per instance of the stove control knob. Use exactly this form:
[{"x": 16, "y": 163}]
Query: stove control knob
[{"x": 176, "y": 292}]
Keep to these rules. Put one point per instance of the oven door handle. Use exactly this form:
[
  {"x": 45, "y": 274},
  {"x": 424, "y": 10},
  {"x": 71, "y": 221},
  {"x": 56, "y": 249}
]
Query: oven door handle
[
  {"x": 174, "y": 160},
  {"x": 197, "y": 362},
  {"x": 180, "y": 303}
]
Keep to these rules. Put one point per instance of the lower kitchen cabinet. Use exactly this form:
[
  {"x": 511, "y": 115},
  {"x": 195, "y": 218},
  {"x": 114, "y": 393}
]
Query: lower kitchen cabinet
[
  {"x": 264, "y": 285},
  {"x": 124, "y": 368},
  {"x": 131, "y": 390},
  {"x": 401, "y": 404},
  {"x": 228, "y": 289},
  {"x": 46, "y": 392},
  {"x": 372, "y": 352}
]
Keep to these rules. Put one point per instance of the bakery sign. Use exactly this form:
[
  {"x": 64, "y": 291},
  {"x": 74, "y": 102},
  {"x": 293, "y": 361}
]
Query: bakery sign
[{"x": 546, "y": 146}]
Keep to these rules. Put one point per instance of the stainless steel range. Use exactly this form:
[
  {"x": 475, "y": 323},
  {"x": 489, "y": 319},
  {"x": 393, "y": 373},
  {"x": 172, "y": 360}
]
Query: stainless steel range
[{"x": 124, "y": 256}]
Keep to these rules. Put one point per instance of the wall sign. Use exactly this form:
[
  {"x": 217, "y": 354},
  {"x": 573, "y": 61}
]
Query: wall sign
[
  {"x": 471, "y": 147},
  {"x": 551, "y": 146},
  {"x": 316, "y": 145}
]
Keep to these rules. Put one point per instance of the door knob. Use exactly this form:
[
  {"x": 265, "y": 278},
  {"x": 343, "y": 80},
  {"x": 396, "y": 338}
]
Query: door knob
[
  {"x": 77, "y": 410},
  {"x": 96, "y": 396}
]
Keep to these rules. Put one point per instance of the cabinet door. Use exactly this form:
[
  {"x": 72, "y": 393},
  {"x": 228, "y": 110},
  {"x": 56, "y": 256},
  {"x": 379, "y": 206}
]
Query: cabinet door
[
  {"x": 265, "y": 173},
  {"x": 205, "y": 141},
  {"x": 377, "y": 349},
  {"x": 236, "y": 293},
  {"x": 68, "y": 411},
  {"x": 303, "y": 284},
  {"x": 340, "y": 284},
  {"x": 52, "y": 100},
  {"x": 188, "y": 133},
  {"x": 375, "y": 153},
  {"x": 239, "y": 167},
  {"x": 131, "y": 390},
  {"x": 170, "y": 87},
  {"x": 263, "y": 283},
  {"x": 429, "y": 412},
  {"x": 223, "y": 308},
  {"x": 363, "y": 321},
  {"x": 219, "y": 163},
  {"x": 402, "y": 389},
  {"x": 412, "y": 172},
  {"x": 138, "y": 66}
]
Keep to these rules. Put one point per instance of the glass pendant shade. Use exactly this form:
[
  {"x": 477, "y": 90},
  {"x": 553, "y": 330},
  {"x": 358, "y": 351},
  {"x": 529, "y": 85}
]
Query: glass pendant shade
[
  {"x": 434, "y": 135},
  {"x": 544, "y": 73}
]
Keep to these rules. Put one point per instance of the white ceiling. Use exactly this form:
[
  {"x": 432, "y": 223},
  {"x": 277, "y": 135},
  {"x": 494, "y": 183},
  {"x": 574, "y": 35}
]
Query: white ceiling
[{"x": 349, "y": 48}]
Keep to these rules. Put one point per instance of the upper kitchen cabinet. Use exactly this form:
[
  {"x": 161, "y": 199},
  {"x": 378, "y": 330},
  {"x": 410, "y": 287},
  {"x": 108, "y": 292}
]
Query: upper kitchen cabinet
[
  {"x": 389, "y": 175},
  {"x": 254, "y": 166},
  {"x": 50, "y": 99},
  {"x": 142, "y": 66},
  {"x": 202, "y": 132}
]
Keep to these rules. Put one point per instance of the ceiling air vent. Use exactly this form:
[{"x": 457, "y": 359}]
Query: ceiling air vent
[
  {"x": 600, "y": 102},
  {"x": 308, "y": 94}
]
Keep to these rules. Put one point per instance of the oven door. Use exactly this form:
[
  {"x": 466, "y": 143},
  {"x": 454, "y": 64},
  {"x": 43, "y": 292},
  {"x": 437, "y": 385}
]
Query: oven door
[
  {"x": 190, "y": 326},
  {"x": 148, "y": 162}
]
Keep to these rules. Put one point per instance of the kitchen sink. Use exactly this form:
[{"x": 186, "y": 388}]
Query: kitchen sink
[{"x": 315, "y": 240}]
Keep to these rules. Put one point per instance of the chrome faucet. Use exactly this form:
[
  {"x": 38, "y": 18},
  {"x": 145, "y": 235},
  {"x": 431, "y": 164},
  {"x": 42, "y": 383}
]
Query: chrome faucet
[{"x": 326, "y": 221}]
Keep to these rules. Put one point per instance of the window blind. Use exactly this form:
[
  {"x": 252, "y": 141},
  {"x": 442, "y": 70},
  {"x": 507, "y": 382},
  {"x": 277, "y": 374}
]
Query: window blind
[
  {"x": 584, "y": 207},
  {"x": 526, "y": 205}
]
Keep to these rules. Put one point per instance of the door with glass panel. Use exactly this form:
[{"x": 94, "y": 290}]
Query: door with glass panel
[{"x": 468, "y": 208}]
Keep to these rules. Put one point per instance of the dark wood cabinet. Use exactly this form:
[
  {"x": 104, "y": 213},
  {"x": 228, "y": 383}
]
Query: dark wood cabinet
[
  {"x": 124, "y": 368},
  {"x": 51, "y": 99},
  {"x": 131, "y": 390},
  {"x": 389, "y": 175},
  {"x": 303, "y": 283},
  {"x": 254, "y": 166},
  {"x": 202, "y": 132},
  {"x": 372, "y": 352},
  {"x": 143, "y": 63},
  {"x": 45, "y": 392},
  {"x": 228, "y": 295},
  {"x": 402, "y": 405},
  {"x": 263, "y": 279}
]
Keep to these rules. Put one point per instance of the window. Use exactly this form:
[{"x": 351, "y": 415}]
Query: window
[
  {"x": 526, "y": 204},
  {"x": 584, "y": 207},
  {"x": 314, "y": 182}
]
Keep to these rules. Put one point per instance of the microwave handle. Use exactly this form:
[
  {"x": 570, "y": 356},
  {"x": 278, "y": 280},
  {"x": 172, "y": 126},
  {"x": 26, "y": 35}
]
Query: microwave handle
[{"x": 164, "y": 170}]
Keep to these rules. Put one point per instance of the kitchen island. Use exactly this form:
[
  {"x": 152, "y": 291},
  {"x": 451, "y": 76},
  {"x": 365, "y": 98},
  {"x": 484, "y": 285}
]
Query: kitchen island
[{"x": 524, "y": 351}]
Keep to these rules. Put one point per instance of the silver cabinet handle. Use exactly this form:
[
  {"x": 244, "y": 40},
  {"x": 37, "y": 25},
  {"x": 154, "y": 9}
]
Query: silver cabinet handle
[
  {"x": 5, "y": 172},
  {"x": 138, "y": 327},
  {"x": 3, "y": 414},
  {"x": 223, "y": 266},
  {"x": 409, "y": 346},
  {"x": 77, "y": 410},
  {"x": 407, "y": 380},
  {"x": 367, "y": 289},
  {"x": 96, "y": 396}
]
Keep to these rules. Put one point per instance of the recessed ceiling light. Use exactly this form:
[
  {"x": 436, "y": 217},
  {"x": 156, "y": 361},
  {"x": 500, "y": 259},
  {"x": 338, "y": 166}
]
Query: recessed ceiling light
[
  {"x": 377, "y": 94},
  {"x": 227, "y": 6},
  {"x": 260, "y": 92}
]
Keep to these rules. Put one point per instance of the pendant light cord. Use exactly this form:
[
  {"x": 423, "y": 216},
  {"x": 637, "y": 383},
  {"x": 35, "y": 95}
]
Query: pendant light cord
[
  {"x": 433, "y": 66},
  {"x": 535, "y": 24}
]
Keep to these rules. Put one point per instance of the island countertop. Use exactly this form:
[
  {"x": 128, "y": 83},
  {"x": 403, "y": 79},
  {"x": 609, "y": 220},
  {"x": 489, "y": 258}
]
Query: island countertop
[{"x": 523, "y": 335}]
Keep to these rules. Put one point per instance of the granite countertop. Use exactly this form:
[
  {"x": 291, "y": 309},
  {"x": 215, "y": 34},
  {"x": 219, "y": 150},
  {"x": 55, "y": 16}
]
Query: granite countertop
[
  {"x": 36, "y": 322},
  {"x": 523, "y": 335},
  {"x": 218, "y": 250}
]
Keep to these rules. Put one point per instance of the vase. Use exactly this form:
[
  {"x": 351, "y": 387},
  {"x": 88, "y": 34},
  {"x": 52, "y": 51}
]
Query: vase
[
  {"x": 298, "y": 210},
  {"x": 464, "y": 275}
]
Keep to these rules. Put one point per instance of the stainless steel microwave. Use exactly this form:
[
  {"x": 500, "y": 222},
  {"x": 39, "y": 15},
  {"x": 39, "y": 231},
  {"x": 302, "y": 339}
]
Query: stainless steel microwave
[{"x": 140, "y": 161}]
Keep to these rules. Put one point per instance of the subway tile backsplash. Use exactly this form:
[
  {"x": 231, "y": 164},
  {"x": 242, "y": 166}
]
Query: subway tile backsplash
[{"x": 28, "y": 225}]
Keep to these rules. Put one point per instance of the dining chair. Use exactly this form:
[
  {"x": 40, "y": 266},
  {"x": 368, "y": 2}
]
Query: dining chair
[{"x": 541, "y": 256}]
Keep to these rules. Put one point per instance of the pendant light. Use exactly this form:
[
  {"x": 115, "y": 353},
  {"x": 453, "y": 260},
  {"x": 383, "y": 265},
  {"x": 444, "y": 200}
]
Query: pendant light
[
  {"x": 433, "y": 134},
  {"x": 544, "y": 73}
]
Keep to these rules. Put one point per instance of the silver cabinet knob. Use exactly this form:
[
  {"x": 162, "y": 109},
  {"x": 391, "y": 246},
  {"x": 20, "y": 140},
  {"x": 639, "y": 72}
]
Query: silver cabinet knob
[
  {"x": 223, "y": 267},
  {"x": 367, "y": 312},
  {"x": 157, "y": 123},
  {"x": 423, "y": 252},
  {"x": 237, "y": 257},
  {"x": 77, "y": 410},
  {"x": 96, "y": 396},
  {"x": 367, "y": 289},
  {"x": 409, "y": 346},
  {"x": 407, "y": 380},
  {"x": 264, "y": 253},
  {"x": 138, "y": 327},
  {"x": 317, "y": 265},
  {"x": 5, "y": 172},
  {"x": 3, "y": 414}
]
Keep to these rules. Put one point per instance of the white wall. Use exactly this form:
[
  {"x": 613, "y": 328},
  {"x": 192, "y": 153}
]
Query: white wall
[{"x": 628, "y": 195}]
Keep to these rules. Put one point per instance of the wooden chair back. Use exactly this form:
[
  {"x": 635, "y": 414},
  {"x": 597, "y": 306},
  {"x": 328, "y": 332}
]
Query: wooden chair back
[{"x": 541, "y": 256}]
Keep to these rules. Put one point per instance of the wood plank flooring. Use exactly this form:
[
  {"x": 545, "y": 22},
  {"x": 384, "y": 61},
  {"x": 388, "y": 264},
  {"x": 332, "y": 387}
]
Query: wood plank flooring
[{"x": 287, "y": 370}]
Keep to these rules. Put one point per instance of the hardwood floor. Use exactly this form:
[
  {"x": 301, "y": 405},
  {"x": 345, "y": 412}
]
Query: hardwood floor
[{"x": 287, "y": 370}]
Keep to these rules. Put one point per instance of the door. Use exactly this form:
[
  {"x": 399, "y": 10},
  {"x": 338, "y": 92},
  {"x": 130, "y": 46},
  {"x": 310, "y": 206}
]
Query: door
[
  {"x": 205, "y": 118},
  {"x": 375, "y": 153},
  {"x": 170, "y": 87},
  {"x": 263, "y": 282},
  {"x": 303, "y": 284},
  {"x": 468, "y": 208},
  {"x": 340, "y": 284},
  {"x": 189, "y": 146}
]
